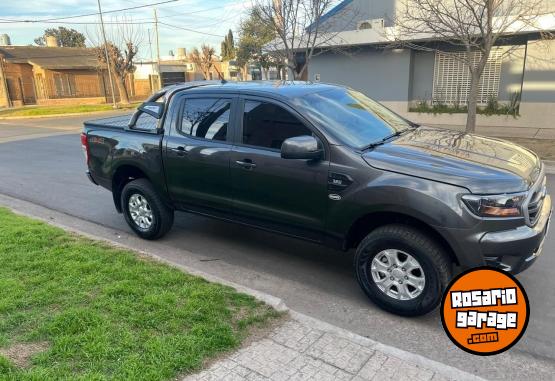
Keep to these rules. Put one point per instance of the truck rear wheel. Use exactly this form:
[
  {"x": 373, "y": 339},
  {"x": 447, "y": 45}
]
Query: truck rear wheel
[
  {"x": 144, "y": 210},
  {"x": 402, "y": 270}
]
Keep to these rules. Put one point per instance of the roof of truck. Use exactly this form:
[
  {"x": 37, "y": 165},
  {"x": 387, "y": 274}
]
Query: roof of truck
[{"x": 287, "y": 89}]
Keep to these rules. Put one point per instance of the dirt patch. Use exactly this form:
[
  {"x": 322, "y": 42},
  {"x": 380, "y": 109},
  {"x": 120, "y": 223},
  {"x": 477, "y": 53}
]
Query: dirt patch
[
  {"x": 545, "y": 148},
  {"x": 20, "y": 354}
]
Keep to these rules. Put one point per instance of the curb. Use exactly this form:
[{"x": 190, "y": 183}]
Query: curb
[
  {"x": 19, "y": 117},
  {"x": 19, "y": 207}
]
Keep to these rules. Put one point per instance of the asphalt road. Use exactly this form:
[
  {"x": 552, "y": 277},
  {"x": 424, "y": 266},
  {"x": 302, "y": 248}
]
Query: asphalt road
[{"x": 311, "y": 279}]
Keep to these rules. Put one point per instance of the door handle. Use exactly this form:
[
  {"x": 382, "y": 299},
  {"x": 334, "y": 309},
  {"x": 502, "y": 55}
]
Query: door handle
[
  {"x": 247, "y": 164},
  {"x": 179, "y": 151}
]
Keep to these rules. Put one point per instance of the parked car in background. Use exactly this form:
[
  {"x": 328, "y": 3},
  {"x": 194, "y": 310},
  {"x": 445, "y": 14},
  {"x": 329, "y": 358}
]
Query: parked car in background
[{"x": 327, "y": 164}]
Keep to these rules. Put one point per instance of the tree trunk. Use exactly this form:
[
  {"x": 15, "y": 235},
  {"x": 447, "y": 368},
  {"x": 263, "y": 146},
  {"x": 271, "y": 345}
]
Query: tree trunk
[
  {"x": 122, "y": 90},
  {"x": 294, "y": 75},
  {"x": 244, "y": 73},
  {"x": 301, "y": 73},
  {"x": 472, "y": 102},
  {"x": 266, "y": 73}
]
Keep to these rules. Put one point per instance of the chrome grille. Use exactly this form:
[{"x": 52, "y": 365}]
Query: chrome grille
[{"x": 534, "y": 203}]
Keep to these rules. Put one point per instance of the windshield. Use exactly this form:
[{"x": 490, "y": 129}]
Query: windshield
[{"x": 352, "y": 117}]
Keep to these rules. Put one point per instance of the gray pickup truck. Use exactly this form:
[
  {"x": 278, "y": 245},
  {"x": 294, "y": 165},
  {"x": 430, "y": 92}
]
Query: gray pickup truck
[{"x": 327, "y": 164}]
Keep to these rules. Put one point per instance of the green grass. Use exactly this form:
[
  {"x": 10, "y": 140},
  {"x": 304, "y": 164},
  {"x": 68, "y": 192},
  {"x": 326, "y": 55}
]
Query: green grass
[
  {"x": 53, "y": 110},
  {"x": 107, "y": 314}
]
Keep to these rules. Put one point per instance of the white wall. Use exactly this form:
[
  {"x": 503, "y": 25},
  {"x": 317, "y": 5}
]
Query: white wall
[{"x": 382, "y": 75}]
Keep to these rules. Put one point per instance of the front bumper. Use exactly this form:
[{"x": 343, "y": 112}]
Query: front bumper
[{"x": 515, "y": 250}]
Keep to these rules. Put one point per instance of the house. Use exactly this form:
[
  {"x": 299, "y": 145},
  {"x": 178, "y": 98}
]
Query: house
[
  {"x": 178, "y": 68},
  {"x": 169, "y": 71},
  {"x": 50, "y": 75},
  {"x": 361, "y": 55}
]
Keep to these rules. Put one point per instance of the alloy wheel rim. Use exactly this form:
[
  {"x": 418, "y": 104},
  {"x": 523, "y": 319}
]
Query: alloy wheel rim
[
  {"x": 140, "y": 211},
  {"x": 398, "y": 274}
]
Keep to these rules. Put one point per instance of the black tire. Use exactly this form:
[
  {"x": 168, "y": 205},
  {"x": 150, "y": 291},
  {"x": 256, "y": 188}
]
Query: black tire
[
  {"x": 431, "y": 257},
  {"x": 162, "y": 215}
]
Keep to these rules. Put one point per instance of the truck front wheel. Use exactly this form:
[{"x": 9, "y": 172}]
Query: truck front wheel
[
  {"x": 402, "y": 270},
  {"x": 144, "y": 210}
]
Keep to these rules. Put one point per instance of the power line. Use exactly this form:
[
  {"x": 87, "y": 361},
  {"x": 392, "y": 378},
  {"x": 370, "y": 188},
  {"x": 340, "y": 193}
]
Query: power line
[
  {"x": 142, "y": 20},
  {"x": 136, "y": 21},
  {"x": 190, "y": 30},
  {"x": 7, "y": 21},
  {"x": 191, "y": 13},
  {"x": 96, "y": 22}
]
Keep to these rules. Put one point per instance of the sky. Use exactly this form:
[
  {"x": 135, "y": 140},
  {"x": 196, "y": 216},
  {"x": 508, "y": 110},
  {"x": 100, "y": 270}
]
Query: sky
[{"x": 211, "y": 17}]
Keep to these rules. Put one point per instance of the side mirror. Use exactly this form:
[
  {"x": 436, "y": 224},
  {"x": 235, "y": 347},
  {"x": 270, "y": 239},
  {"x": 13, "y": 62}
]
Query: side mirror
[
  {"x": 154, "y": 109},
  {"x": 302, "y": 147}
]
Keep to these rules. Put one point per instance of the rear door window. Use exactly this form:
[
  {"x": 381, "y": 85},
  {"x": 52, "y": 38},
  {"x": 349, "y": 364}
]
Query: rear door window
[{"x": 206, "y": 118}]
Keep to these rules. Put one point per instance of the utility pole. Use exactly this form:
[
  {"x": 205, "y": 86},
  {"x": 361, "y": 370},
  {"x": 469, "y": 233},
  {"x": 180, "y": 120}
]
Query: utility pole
[
  {"x": 115, "y": 105},
  {"x": 5, "y": 90},
  {"x": 150, "y": 46},
  {"x": 157, "y": 46}
]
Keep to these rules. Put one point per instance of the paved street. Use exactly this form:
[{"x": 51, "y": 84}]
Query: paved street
[
  {"x": 311, "y": 279},
  {"x": 33, "y": 128}
]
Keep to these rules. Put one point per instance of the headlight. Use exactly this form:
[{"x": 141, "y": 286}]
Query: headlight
[{"x": 505, "y": 205}]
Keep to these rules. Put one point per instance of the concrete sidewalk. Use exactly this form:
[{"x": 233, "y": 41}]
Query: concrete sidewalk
[
  {"x": 308, "y": 349},
  {"x": 303, "y": 348}
]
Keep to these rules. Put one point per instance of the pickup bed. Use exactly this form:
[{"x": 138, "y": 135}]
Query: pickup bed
[{"x": 327, "y": 164}]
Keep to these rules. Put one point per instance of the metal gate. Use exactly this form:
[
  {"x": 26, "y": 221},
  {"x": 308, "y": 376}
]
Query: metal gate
[{"x": 170, "y": 78}]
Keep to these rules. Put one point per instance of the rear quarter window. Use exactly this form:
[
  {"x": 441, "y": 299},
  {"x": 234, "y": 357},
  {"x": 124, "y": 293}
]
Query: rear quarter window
[{"x": 146, "y": 122}]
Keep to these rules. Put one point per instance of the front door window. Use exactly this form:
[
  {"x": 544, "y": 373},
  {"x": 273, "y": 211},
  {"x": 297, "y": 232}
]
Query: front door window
[{"x": 267, "y": 125}]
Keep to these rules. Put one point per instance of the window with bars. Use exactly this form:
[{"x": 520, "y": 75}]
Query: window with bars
[{"x": 452, "y": 77}]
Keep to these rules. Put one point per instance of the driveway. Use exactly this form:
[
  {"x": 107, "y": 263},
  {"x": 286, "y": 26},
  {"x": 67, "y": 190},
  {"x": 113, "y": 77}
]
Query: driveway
[{"x": 311, "y": 279}]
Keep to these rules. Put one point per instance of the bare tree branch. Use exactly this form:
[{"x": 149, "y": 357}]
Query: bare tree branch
[
  {"x": 301, "y": 31},
  {"x": 123, "y": 41},
  {"x": 203, "y": 59}
]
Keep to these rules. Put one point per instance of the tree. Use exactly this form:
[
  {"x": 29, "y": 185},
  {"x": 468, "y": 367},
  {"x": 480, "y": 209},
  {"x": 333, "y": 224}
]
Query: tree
[
  {"x": 69, "y": 38},
  {"x": 121, "y": 64},
  {"x": 254, "y": 35},
  {"x": 300, "y": 31},
  {"x": 228, "y": 47},
  {"x": 203, "y": 59},
  {"x": 123, "y": 41},
  {"x": 475, "y": 26}
]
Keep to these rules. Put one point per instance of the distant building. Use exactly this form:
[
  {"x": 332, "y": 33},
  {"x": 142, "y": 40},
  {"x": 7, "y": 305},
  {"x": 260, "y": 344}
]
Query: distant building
[
  {"x": 178, "y": 68},
  {"x": 50, "y": 75}
]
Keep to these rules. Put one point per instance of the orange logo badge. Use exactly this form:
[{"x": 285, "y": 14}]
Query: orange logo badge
[{"x": 485, "y": 311}]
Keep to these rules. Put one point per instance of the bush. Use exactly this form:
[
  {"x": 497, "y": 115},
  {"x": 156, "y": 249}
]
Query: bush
[{"x": 493, "y": 107}]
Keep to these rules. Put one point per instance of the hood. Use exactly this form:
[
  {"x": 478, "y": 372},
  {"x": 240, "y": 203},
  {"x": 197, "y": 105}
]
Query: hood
[{"x": 480, "y": 164}]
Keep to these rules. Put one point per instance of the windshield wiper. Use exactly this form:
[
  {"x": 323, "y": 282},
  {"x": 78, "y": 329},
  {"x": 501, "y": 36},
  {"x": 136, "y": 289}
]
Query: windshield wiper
[{"x": 382, "y": 141}]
